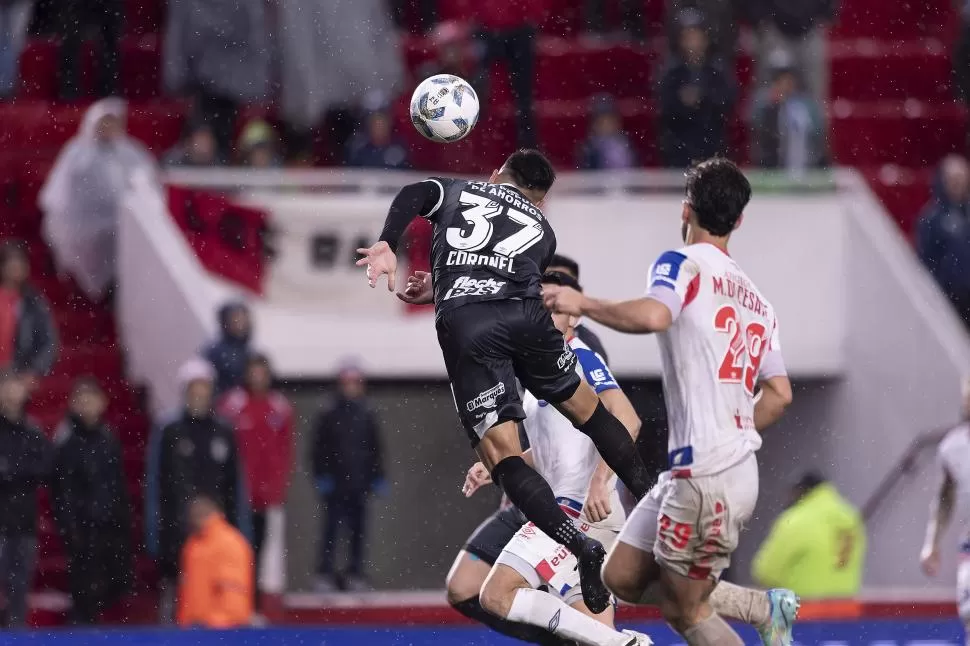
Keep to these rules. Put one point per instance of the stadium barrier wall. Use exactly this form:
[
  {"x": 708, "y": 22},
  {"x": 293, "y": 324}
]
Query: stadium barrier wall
[{"x": 874, "y": 346}]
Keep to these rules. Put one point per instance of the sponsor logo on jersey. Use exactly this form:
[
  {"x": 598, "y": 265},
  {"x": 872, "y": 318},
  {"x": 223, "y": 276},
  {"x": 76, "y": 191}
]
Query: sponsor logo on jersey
[
  {"x": 467, "y": 258},
  {"x": 466, "y": 286},
  {"x": 510, "y": 197},
  {"x": 486, "y": 399}
]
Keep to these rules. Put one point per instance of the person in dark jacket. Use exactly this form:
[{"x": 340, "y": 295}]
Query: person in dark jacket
[
  {"x": 91, "y": 505},
  {"x": 28, "y": 336},
  {"x": 606, "y": 146},
  {"x": 798, "y": 30},
  {"x": 943, "y": 233},
  {"x": 696, "y": 98},
  {"x": 347, "y": 466},
  {"x": 230, "y": 354},
  {"x": 376, "y": 145},
  {"x": 25, "y": 464},
  {"x": 192, "y": 454}
]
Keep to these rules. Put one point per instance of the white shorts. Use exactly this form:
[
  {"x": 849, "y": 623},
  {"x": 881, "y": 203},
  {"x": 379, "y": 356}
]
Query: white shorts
[
  {"x": 963, "y": 586},
  {"x": 692, "y": 525},
  {"x": 541, "y": 560}
]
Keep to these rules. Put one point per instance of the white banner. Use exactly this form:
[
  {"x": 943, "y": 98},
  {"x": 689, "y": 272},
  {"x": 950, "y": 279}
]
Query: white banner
[{"x": 792, "y": 247}]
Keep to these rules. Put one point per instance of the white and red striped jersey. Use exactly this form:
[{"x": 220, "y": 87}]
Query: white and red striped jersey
[{"x": 724, "y": 337}]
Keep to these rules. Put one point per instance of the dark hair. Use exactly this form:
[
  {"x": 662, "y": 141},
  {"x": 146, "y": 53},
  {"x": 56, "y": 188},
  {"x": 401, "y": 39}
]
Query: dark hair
[
  {"x": 562, "y": 279},
  {"x": 559, "y": 260},
  {"x": 717, "y": 192},
  {"x": 530, "y": 169},
  {"x": 809, "y": 480}
]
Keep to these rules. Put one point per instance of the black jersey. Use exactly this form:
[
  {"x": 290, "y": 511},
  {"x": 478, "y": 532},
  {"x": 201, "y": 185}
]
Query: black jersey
[{"x": 489, "y": 243}]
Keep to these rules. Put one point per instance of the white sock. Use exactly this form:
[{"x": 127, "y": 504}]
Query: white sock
[
  {"x": 546, "y": 611},
  {"x": 743, "y": 604}
]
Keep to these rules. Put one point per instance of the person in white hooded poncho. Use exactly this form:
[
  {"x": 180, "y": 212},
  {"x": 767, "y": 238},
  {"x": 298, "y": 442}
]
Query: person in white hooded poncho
[{"x": 83, "y": 192}]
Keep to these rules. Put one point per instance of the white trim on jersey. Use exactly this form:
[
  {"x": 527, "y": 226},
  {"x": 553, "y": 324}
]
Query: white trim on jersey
[{"x": 441, "y": 198}]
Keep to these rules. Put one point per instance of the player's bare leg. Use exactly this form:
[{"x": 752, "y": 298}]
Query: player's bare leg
[
  {"x": 508, "y": 595},
  {"x": 464, "y": 584},
  {"x": 685, "y": 605},
  {"x": 501, "y": 453},
  {"x": 588, "y": 414},
  {"x": 633, "y": 575}
]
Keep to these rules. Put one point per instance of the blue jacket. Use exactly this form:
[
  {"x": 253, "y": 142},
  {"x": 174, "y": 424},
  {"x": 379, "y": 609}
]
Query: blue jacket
[
  {"x": 943, "y": 242},
  {"x": 229, "y": 354}
]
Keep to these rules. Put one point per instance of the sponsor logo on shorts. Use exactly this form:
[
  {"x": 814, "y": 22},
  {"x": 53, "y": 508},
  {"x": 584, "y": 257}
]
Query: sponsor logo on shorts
[
  {"x": 567, "y": 359},
  {"x": 562, "y": 553},
  {"x": 486, "y": 399}
]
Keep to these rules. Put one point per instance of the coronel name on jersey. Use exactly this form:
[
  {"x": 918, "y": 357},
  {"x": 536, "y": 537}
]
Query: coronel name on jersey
[
  {"x": 733, "y": 287},
  {"x": 464, "y": 258}
]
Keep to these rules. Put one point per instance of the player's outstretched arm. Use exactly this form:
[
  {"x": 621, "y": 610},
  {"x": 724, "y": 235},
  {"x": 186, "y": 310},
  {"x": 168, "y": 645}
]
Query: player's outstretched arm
[
  {"x": 421, "y": 198},
  {"x": 637, "y": 316},
  {"x": 774, "y": 398},
  {"x": 941, "y": 511}
]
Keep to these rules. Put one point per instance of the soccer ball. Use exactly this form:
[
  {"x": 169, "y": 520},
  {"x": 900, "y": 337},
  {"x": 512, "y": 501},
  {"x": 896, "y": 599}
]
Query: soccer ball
[{"x": 444, "y": 108}]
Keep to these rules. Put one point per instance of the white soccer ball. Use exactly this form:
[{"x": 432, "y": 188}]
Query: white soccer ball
[{"x": 444, "y": 108}]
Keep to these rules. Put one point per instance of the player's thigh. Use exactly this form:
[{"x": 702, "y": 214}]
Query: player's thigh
[
  {"x": 630, "y": 567},
  {"x": 466, "y": 576},
  {"x": 544, "y": 362},
  {"x": 480, "y": 369}
]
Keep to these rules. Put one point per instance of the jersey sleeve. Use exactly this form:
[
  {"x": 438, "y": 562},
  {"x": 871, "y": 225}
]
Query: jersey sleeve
[
  {"x": 419, "y": 199},
  {"x": 674, "y": 280},
  {"x": 772, "y": 363},
  {"x": 595, "y": 370}
]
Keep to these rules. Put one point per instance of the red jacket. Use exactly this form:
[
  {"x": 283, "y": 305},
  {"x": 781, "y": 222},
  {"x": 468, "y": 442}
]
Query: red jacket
[
  {"x": 497, "y": 15},
  {"x": 264, "y": 431}
]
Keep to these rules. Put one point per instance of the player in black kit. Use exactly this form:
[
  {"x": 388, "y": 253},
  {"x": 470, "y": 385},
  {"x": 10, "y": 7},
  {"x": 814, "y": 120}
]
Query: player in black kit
[{"x": 490, "y": 246}]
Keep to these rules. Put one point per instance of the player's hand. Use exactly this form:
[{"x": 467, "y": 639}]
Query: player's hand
[
  {"x": 476, "y": 478},
  {"x": 419, "y": 290},
  {"x": 929, "y": 560},
  {"x": 564, "y": 300},
  {"x": 597, "y": 505},
  {"x": 380, "y": 261}
]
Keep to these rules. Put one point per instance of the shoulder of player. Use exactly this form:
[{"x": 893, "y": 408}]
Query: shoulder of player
[{"x": 957, "y": 436}]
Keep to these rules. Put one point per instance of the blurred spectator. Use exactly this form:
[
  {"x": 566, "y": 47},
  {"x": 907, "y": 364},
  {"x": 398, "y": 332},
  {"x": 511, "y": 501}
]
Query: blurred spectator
[
  {"x": 696, "y": 97},
  {"x": 257, "y": 146},
  {"x": 376, "y": 145},
  {"x": 606, "y": 147},
  {"x": 347, "y": 466},
  {"x": 106, "y": 17},
  {"x": 229, "y": 355},
  {"x": 787, "y": 125},
  {"x": 14, "y": 20},
  {"x": 631, "y": 23},
  {"x": 90, "y": 504},
  {"x": 507, "y": 32},
  {"x": 28, "y": 335},
  {"x": 217, "y": 51},
  {"x": 798, "y": 30},
  {"x": 816, "y": 547},
  {"x": 216, "y": 583},
  {"x": 25, "y": 464},
  {"x": 943, "y": 233},
  {"x": 193, "y": 454},
  {"x": 197, "y": 148},
  {"x": 722, "y": 27},
  {"x": 82, "y": 195},
  {"x": 263, "y": 422},
  {"x": 332, "y": 55}
]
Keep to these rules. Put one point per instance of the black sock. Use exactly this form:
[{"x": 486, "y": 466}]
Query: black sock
[
  {"x": 472, "y": 608},
  {"x": 530, "y": 492},
  {"x": 614, "y": 443}
]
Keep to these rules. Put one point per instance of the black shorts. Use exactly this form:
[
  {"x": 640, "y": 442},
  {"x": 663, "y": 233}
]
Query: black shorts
[
  {"x": 488, "y": 345},
  {"x": 491, "y": 537}
]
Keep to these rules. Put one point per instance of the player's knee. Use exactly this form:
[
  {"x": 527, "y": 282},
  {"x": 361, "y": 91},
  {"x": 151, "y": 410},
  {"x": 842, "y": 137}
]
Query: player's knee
[
  {"x": 496, "y": 598},
  {"x": 461, "y": 588},
  {"x": 581, "y": 404},
  {"x": 620, "y": 581},
  {"x": 682, "y": 615}
]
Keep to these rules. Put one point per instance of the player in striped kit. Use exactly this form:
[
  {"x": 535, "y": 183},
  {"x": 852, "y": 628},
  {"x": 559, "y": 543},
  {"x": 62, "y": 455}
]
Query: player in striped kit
[
  {"x": 585, "y": 489},
  {"x": 724, "y": 382}
]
